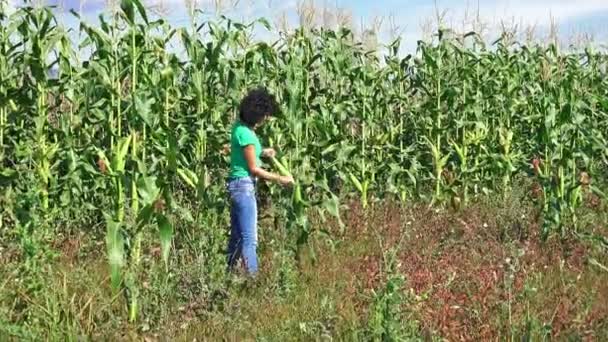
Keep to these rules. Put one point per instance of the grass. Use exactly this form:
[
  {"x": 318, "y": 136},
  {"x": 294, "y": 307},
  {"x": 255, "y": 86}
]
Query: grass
[{"x": 406, "y": 272}]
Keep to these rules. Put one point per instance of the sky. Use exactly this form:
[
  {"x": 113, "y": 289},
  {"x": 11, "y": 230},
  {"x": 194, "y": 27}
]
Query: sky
[{"x": 572, "y": 17}]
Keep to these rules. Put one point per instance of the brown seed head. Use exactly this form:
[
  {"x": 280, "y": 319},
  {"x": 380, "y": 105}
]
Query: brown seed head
[
  {"x": 226, "y": 149},
  {"x": 585, "y": 179},
  {"x": 448, "y": 176},
  {"x": 536, "y": 165},
  {"x": 159, "y": 205},
  {"x": 101, "y": 164},
  {"x": 537, "y": 191},
  {"x": 456, "y": 202}
]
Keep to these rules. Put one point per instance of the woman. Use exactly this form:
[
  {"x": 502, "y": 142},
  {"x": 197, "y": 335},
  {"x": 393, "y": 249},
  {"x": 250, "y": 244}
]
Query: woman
[{"x": 245, "y": 167}]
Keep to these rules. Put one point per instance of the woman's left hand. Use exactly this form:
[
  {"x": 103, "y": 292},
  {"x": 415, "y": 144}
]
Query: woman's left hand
[{"x": 269, "y": 153}]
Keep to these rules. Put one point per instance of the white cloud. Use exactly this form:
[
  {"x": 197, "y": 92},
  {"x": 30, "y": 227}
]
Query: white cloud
[
  {"x": 407, "y": 14},
  {"x": 540, "y": 11},
  {"x": 523, "y": 13},
  {"x": 527, "y": 12}
]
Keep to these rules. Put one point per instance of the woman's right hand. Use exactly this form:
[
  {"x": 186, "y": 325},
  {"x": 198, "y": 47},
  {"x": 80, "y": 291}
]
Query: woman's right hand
[{"x": 286, "y": 180}]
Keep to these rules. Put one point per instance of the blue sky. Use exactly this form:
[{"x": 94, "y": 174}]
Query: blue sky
[{"x": 572, "y": 16}]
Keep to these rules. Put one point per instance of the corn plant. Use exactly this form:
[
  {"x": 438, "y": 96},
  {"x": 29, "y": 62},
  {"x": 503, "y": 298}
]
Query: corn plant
[{"x": 126, "y": 123}]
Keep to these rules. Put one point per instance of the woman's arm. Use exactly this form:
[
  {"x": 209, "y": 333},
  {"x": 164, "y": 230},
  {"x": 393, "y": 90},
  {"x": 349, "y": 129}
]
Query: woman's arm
[{"x": 257, "y": 171}]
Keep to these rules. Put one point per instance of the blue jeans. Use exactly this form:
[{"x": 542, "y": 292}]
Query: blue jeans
[{"x": 243, "y": 221}]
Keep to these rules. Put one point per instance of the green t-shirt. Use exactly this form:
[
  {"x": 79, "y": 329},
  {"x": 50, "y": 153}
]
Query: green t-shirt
[{"x": 242, "y": 136}]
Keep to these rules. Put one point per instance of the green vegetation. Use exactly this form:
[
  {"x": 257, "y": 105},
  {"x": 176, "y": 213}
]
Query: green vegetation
[{"x": 124, "y": 150}]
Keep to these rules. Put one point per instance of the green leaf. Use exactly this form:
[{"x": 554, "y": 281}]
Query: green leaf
[
  {"x": 596, "y": 263},
  {"x": 598, "y": 192},
  {"x": 147, "y": 189},
  {"x": 128, "y": 11},
  {"x": 141, "y": 10},
  {"x": 143, "y": 107},
  {"x": 172, "y": 151},
  {"x": 165, "y": 230},
  {"x": 332, "y": 206},
  {"x": 115, "y": 250},
  {"x": 145, "y": 215},
  {"x": 120, "y": 154},
  {"x": 356, "y": 182},
  {"x": 188, "y": 176},
  {"x": 264, "y": 22},
  {"x": 7, "y": 176}
]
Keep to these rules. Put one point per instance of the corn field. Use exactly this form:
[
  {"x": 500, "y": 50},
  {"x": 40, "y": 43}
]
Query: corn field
[{"x": 132, "y": 139}]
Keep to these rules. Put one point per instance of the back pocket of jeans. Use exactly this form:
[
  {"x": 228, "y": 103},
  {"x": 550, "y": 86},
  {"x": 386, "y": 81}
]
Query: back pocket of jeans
[{"x": 241, "y": 192}]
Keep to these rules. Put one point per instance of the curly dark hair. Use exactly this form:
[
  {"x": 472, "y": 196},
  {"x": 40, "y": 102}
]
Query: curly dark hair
[{"x": 256, "y": 105}]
